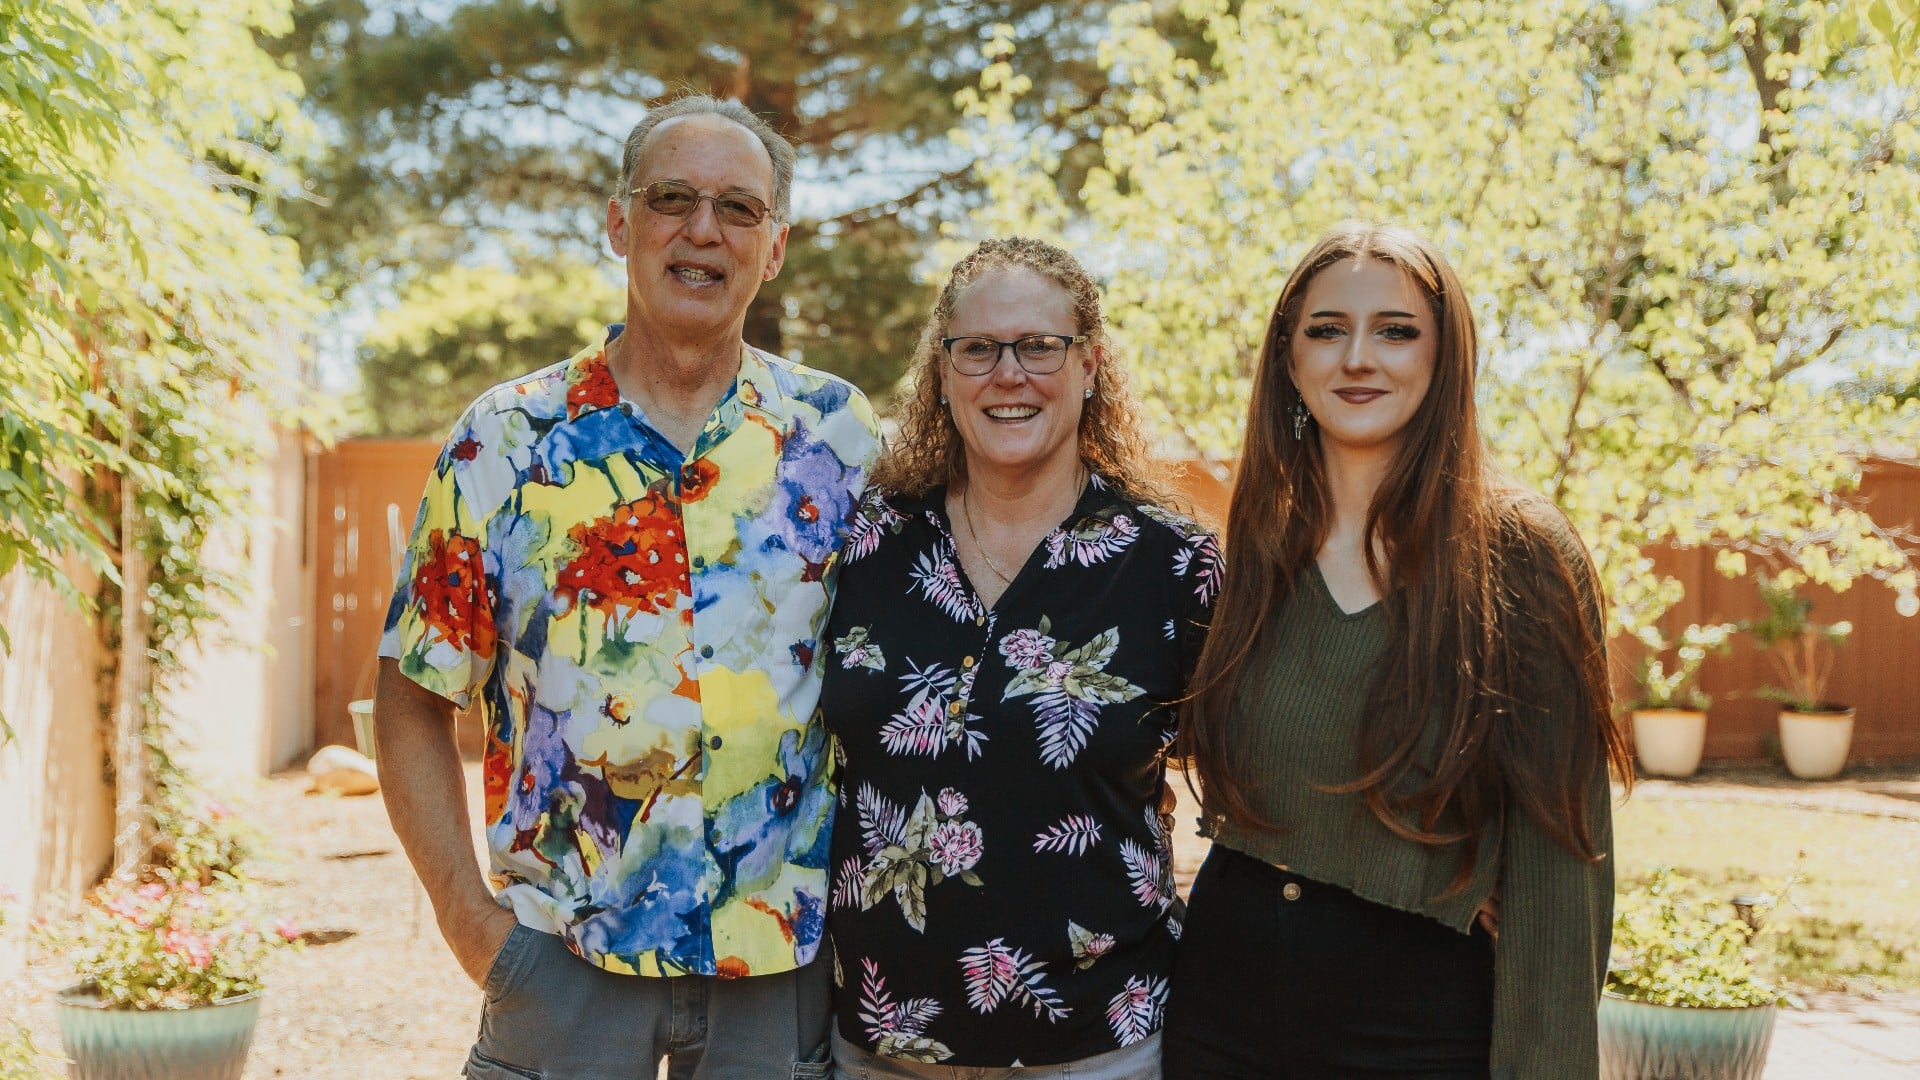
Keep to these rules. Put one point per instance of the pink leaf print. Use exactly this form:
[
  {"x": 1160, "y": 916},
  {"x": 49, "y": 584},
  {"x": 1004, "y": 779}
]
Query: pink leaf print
[
  {"x": 1146, "y": 874},
  {"x": 939, "y": 581},
  {"x": 996, "y": 972},
  {"x": 1072, "y": 835},
  {"x": 873, "y": 519},
  {"x": 1203, "y": 559},
  {"x": 881, "y": 822},
  {"x": 882, "y": 1015},
  {"x": 1090, "y": 543},
  {"x": 922, "y": 729},
  {"x": 1134, "y": 1013}
]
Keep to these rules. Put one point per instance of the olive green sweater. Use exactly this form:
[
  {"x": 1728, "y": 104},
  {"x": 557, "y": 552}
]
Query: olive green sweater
[{"x": 1297, "y": 733}]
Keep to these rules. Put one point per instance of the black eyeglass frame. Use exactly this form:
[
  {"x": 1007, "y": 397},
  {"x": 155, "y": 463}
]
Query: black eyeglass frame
[
  {"x": 646, "y": 199},
  {"x": 1068, "y": 341}
]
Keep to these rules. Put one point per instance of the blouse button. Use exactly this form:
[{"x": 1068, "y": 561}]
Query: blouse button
[
  {"x": 956, "y": 708},
  {"x": 979, "y": 620},
  {"x": 966, "y": 662},
  {"x": 1291, "y": 890}
]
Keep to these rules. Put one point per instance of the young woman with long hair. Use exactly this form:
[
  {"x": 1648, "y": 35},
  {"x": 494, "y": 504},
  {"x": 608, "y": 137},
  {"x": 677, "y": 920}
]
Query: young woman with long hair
[{"x": 1401, "y": 714}]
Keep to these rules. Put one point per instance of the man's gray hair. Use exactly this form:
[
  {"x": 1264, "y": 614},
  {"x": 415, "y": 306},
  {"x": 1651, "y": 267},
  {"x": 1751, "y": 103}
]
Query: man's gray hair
[{"x": 778, "y": 148}]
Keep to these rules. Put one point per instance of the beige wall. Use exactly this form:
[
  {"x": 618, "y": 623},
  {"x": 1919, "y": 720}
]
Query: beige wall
[
  {"x": 53, "y": 789},
  {"x": 245, "y": 707}
]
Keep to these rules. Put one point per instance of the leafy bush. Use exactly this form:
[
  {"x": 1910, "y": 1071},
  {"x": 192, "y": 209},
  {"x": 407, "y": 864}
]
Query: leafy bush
[
  {"x": 171, "y": 942},
  {"x": 1672, "y": 947},
  {"x": 1663, "y": 688},
  {"x": 1800, "y": 649}
]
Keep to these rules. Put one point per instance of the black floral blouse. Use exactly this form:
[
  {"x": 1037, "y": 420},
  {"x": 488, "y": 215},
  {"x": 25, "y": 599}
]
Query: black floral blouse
[{"x": 1002, "y": 888}]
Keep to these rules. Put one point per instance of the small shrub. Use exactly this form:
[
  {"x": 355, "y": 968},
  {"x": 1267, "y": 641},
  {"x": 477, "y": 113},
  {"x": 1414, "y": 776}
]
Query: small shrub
[{"x": 1672, "y": 947}]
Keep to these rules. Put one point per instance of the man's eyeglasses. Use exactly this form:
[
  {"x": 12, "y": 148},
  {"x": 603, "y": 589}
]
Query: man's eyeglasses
[
  {"x": 1039, "y": 354},
  {"x": 671, "y": 198}
]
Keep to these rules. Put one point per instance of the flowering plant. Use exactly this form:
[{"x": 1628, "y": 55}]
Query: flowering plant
[{"x": 172, "y": 943}]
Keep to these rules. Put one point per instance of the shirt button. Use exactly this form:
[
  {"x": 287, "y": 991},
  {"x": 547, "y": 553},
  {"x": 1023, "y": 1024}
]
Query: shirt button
[
  {"x": 706, "y": 651},
  {"x": 979, "y": 620},
  {"x": 1291, "y": 890},
  {"x": 689, "y": 475},
  {"x": 699, "y": 562},
  {"x": 714, "y": 744},
  {"x": 967, "y": 662},
  {"x": 956, "y": 708}
]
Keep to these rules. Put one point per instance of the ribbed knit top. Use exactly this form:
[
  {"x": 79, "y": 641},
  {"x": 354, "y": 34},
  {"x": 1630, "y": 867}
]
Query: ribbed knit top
[{"x": 1297, "y": 732}]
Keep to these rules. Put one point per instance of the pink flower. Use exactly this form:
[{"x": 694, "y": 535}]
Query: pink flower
[
  {"x": 195, "y": 948},
  {"x": 1099, "y": 944},
  {"x": 956, "y": 846},
  {"x": 152, "y": 890},
  {"x": 1058, "y": 671},
  {"x": 951, "y": 802},
  {"x": 287, "y": 929},
  {"x": 1026, "y": 649}
]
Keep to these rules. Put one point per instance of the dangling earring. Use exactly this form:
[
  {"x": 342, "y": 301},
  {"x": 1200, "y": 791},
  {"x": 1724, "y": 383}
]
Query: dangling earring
[{"x": 1300, "y": 417}]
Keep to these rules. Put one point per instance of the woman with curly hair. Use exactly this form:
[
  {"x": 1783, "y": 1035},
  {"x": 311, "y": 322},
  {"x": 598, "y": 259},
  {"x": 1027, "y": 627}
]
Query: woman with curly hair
[
  {"x": 1402, "y": 712},
  {"x": 1017, "y": 613}
]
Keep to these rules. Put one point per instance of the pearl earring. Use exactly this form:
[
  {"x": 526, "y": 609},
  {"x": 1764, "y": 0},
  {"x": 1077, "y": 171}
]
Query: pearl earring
[{"x": 1089, "y": 394}]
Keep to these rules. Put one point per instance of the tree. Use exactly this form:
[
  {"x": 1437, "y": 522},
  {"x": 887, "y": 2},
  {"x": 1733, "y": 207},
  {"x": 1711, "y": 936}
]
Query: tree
[
  {"x": 149, "y": 322},
  {"x": 1680, "y": 223},
  {"x": 498, "y": 123}
]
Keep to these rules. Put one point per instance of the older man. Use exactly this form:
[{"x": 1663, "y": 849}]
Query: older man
[{"x": 627, "y": 559}]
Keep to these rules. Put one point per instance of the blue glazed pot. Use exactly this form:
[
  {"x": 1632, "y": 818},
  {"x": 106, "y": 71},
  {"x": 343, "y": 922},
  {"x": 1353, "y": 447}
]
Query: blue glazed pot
[
  {"x": 1666, "y": 1042},
  {"x": 208, "y": 1042}
]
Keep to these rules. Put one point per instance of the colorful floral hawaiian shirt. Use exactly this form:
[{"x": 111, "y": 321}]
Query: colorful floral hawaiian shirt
[
  {"x": 1003, "y": 885},
  {"x": 642, "y": 629}
]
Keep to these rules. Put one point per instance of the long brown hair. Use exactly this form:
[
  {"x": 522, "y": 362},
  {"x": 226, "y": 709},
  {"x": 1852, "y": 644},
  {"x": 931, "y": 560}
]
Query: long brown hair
[
  {"x": 928, "y": 451},
  {"x": 1490, "y": 598}
]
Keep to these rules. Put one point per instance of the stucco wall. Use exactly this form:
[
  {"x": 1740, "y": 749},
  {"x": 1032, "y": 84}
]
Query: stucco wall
[
  {"x": 245, "y": 707},
  {"x": 53, "y": 790}
]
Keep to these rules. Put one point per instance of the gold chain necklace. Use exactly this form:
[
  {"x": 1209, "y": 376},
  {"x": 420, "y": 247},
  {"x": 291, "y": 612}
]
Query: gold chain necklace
[{"x": 966, "y": 515}]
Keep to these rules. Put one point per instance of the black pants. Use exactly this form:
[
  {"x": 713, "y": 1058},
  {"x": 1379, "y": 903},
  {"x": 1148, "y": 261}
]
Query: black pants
[{"x": 1283, "y": 976}]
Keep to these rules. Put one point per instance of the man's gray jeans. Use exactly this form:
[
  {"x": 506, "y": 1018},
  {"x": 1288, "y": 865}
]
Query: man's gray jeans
[{"x": 550, "y": 1015}]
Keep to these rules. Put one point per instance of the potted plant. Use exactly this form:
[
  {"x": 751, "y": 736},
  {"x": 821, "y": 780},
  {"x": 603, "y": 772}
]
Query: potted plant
[
  {"x": 1682, "y": 998},
  {"x": 1814, "y": 732},
  {"x": 1670, "y": 712},
  {"x": 170, "y": 979}
]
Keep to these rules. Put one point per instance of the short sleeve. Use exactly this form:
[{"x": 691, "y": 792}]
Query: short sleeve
[
  {"x": 440, "y": 625},
  {"x": 1197, "y": 566}
]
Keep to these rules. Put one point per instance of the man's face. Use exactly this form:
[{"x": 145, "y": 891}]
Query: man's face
[{"x": 691, "y": 278}]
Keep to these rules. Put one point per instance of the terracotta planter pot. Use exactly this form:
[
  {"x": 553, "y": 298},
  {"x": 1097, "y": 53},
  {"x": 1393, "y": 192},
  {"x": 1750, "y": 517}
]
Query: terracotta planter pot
[
  {"x": 205, "y": 1043},
  {"x": 1669, "y": 741},
  {"x": 1638, "y": 1040},
  {"x": 1815, "y": 743}
]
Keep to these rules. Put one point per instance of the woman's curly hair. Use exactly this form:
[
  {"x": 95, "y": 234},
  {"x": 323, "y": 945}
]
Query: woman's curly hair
[{"x": 928, "y": 451}]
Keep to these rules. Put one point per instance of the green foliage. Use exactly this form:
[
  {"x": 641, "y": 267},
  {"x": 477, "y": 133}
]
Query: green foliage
[
  {"x": 21, "y": 1060},
  {"x": 171, "y": 943},
  {"x": 1671, "y": 946},
  {"x": 483, "y": 125},
  {"x": 1800, "y": 649},
  {"x": 151, "y": 324},
  {"x": 1661, "y": 687},
  {"x": 1679, "y": 222},
  {"x": 459, "y": 330}
]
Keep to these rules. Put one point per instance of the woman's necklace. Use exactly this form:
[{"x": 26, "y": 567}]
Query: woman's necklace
[{"x": 966, "y": 515}]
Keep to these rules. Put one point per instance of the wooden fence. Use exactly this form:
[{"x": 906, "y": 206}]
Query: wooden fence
[{"x": 368, "y": 489}]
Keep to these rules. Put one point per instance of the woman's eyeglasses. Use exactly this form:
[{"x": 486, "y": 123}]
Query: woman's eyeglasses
[{"x": 1038, "y": 354}]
